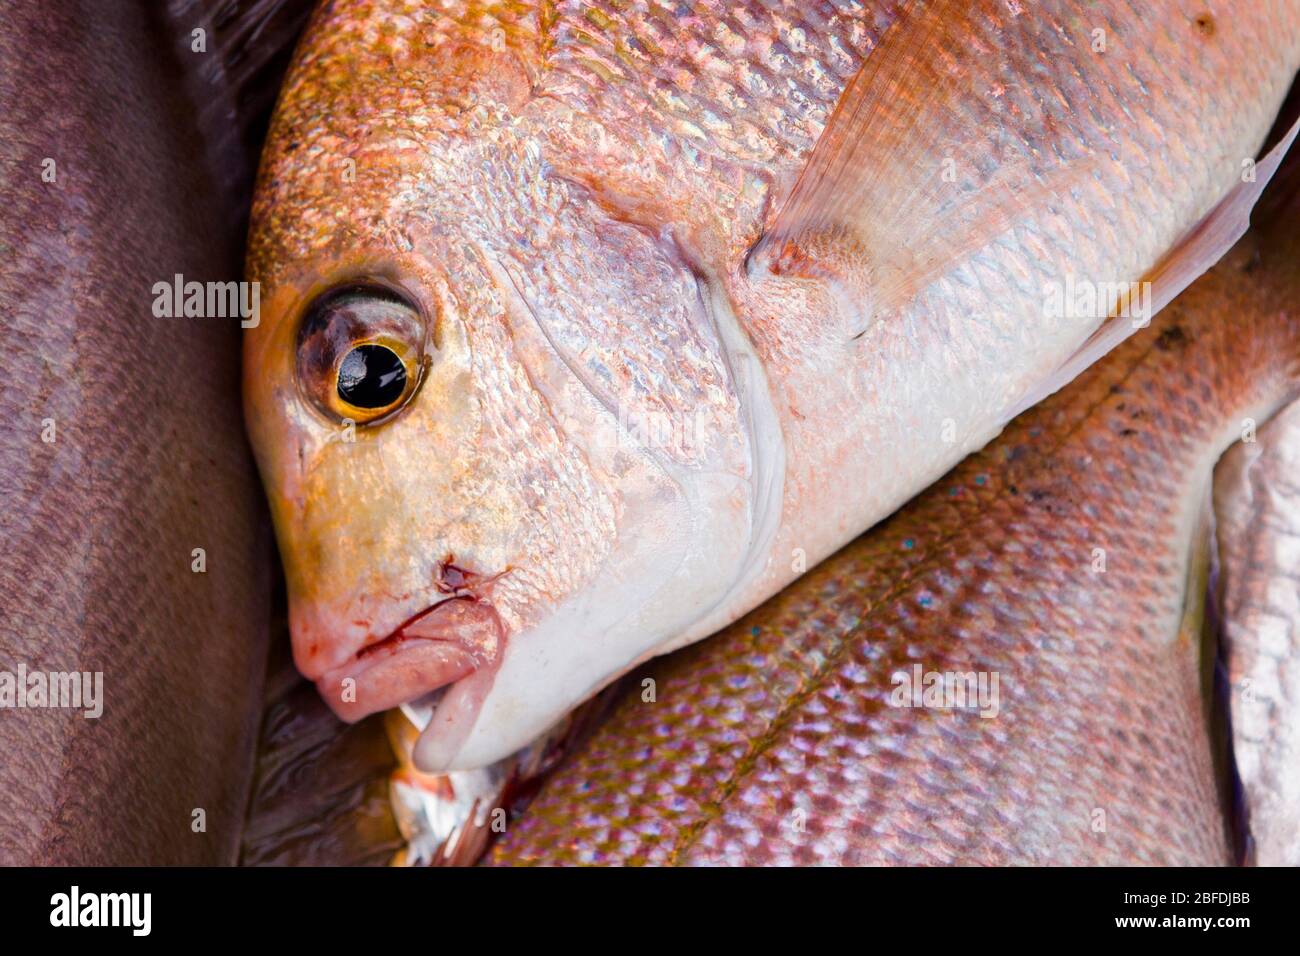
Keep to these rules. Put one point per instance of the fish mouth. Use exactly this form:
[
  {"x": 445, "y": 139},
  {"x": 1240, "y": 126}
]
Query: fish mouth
[{"x": 445, "y": 643}]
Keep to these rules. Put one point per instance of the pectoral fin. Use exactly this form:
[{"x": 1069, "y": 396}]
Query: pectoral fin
[{"x": 918, "y": 165}]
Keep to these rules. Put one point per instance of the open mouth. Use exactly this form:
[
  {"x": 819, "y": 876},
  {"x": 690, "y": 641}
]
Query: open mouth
[{"x": 437, "y": 647}]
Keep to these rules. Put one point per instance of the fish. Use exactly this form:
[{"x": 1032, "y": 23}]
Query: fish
[
  {"x": 322, "y": 797},
  {"x": 1257, "y": 524},
  {"x": 234, "y": 54},
  {"x": 122, "y": 453},
  {"x": 319, "y": 796},
  {"x": 588, "y": 327},
  {"x": 1060, "y": 584}
]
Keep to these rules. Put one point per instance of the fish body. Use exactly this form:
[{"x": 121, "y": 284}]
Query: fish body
[
  {"x": 646, "y": 308},
  {"x": 320, "y": 797},
  {"x": 1257, "y": 525},
  {"x": 121, "y": 458},
  {"x": 1057, "y": 581}
]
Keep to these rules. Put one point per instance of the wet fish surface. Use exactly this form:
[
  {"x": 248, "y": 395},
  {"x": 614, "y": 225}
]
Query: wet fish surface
[
  {"x": 1058, "y": 579},
  {"x": 589, "y": 326},
  {"x": 320, "y": 793}
]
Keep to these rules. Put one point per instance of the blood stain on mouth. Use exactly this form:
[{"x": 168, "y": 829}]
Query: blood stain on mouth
[{"x": 454, "y": 579}]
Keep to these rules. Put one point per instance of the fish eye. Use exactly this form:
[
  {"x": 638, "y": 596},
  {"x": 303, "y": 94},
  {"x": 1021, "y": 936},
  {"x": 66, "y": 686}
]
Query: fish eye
[
  {"x": 361, "y": 349},
  {"x": 371, "y": 376}
]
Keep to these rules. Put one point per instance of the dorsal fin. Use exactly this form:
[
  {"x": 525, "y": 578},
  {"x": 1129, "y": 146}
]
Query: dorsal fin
[{"x": 932, "y": 90}]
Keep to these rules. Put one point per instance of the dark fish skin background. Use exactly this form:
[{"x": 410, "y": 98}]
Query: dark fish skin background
[
  {"x": 156, "y": 148},
  {"x": 1103, "y": 695},
  {"x": 150, "y": 460},
  {"x": 234, "y": 86}
]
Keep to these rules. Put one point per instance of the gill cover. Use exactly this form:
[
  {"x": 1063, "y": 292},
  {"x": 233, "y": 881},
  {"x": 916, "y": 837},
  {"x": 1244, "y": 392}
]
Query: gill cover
[{"x": 580, "y": 418}]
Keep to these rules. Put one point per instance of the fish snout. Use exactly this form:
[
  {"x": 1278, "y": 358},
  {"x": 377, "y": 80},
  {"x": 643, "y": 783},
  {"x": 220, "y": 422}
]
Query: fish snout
[{"x": 359, "y": 671}]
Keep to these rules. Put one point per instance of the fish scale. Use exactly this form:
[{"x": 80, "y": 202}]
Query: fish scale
[
  {"x": 1101, "y": 714},
  {"x": 737, "y": 218},
  {"x": 144, "y": 461}
]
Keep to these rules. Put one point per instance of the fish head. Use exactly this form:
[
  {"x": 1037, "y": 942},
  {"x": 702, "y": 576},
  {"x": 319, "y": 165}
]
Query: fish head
[{"x": 505, "y": 441}]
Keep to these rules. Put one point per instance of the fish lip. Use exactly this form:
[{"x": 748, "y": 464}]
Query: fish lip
[{"x": 399, "y": 668}]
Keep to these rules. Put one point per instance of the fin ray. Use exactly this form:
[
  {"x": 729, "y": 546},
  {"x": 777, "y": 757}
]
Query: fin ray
[{"x": 933, "y": 87}]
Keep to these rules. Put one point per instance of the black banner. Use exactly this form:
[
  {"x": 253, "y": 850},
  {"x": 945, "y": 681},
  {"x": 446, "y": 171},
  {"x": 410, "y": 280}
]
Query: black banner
[{"x": 373, "y": 907}]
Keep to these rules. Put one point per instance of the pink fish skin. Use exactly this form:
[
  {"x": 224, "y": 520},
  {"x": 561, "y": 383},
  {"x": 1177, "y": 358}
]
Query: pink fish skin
[
  {"x": 681, "y": 298},
  {"x": 1070, "y": 559}
]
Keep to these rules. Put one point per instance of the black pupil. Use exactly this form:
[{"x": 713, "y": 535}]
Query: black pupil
[{"x": 371, "y": 376}]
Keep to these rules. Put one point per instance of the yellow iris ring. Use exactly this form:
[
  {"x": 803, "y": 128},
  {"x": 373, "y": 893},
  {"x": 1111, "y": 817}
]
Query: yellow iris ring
[{"x": 406, "y": 354}]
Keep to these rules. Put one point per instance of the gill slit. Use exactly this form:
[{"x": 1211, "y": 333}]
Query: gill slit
[{"x": 759, "y": 415}]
